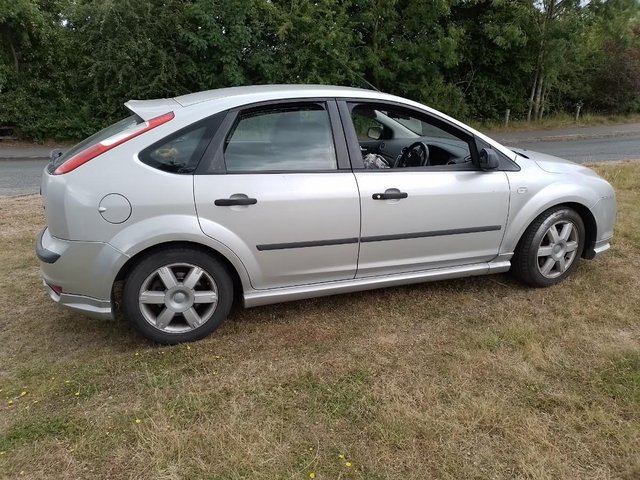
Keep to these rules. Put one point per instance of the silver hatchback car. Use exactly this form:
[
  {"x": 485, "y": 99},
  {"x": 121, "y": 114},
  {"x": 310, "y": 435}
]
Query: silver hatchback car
[{"x": 284, "y": 192}]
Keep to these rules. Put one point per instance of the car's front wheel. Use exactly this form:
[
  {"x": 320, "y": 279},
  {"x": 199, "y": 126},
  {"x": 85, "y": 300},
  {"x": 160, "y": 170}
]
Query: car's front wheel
[
  {"x": 549, "y": 250},
  {"x": 177, "y": 295}
]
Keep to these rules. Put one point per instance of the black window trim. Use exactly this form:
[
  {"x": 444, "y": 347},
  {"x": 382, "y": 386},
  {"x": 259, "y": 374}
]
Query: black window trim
[{"x": 214, "y": 163}]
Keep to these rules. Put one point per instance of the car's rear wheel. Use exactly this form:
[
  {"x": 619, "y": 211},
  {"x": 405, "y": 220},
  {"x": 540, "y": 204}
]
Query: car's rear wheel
[
  {"x": 177, "y": 295},
  {"x": 550, "y": 248}
]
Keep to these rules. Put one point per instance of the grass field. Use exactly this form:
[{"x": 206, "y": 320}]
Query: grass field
[{"x": 473, "y": 378}]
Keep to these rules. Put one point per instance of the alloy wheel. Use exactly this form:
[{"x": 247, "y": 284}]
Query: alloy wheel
[
  {"x": 558, "y": 249},
  {"x": 178, "y": 298}
]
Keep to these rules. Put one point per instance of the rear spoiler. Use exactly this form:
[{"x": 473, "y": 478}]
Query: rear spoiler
[{"x": 148, "y": 109}]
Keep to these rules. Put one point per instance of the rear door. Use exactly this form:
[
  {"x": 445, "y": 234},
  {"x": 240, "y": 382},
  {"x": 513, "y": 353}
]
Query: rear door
[
  {"x": 419, "y": 214},
  {"x": 278, "y": 190}
]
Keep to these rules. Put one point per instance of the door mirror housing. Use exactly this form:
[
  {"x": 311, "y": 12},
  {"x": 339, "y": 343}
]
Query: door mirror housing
[
  {"x": 489, "y": 159},
  {"x": 375, "y": 133}
]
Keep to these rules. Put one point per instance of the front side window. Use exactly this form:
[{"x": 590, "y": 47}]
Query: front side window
[
  {"x": 284, "y": 138},
  {"x": 395, "y": 137}
]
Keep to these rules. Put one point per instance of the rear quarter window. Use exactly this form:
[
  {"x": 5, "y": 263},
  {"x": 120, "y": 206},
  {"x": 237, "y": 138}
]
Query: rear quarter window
[{"x": 182, "y": 151}]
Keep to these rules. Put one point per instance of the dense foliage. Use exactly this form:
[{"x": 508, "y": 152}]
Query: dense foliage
[{"x": 67, "y": 66}]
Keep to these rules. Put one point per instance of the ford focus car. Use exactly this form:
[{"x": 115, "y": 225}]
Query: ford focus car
[{"x": 273, "y": 193}]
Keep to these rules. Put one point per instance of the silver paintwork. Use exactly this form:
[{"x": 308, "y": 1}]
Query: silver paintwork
[
  {"x": 601, "y": 247},
  {"x": 266, "y": 297},
  {"x": 179, "y": 208},
  {"x": 89, "y": 306},
  {"x": 432, "y": 205},
  {"x": 326, "y": 206},
  {"x": 558, "y": 248}
]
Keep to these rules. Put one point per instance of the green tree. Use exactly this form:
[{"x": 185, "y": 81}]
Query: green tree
[
  {"x": 496, "y": 58},
  {"x": 29, "y": 37}
]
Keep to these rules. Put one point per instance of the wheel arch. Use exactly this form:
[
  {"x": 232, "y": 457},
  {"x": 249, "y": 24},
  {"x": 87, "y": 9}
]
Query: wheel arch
[
  {"x": 590, "y": 226},
  {"x": 588, "y": 219},
  {"x": 238, "y": 285}
]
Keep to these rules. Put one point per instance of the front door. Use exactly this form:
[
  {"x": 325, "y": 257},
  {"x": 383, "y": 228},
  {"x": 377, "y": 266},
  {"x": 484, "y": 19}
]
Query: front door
[{"x": 432, "y": 207}]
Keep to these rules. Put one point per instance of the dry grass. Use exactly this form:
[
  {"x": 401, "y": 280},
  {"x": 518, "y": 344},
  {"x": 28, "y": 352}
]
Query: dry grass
[{"x": 473, "y": 378}]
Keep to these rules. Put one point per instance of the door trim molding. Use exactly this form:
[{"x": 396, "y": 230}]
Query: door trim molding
[
  {"x": 311, "y": 243},
  {"x": 432, "y": 233},
  {"x": 376, "y": 238}
]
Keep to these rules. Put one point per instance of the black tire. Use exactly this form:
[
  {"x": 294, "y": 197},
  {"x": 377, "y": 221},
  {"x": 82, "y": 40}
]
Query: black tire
[
  {"x": 209, "y": 300},
  {"x": 530, "y": 258}
]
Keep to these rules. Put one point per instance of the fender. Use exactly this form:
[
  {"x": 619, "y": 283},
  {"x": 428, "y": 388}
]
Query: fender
[
  {"x": 526, "y": 206},
  {"x": 151, "y": 232}
]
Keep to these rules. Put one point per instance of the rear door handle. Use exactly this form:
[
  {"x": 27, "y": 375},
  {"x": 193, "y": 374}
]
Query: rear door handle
[
  {"x": 228, "y": 202},
  {"x": 389, "y": 195}
]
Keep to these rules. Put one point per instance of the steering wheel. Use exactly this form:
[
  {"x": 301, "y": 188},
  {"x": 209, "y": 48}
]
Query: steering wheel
[{"x": 415, "y": 155}]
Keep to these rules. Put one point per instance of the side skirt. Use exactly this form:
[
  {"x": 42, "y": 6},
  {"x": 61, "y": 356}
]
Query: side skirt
[{"x": 257, "y": 298}]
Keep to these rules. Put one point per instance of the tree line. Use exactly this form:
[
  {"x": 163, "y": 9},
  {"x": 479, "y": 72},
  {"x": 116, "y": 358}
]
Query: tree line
[{"x": 67, "y": 66}]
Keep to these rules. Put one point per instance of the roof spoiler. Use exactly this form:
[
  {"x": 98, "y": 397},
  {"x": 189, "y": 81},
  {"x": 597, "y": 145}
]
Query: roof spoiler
[{"x": 148, "y": 109}]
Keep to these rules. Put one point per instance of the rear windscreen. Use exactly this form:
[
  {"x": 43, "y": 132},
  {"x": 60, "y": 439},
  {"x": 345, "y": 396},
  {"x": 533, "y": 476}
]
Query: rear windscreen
[{"x": 103, "y": 134}]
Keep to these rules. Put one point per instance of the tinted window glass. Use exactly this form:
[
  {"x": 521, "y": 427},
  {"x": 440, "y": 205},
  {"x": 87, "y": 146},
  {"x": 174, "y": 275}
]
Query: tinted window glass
[
  {"x": 180, "y": 153},
  {"x": 364, "y": 122},
  {"x": 98, "y": 137},
  {"x": 284, "y": 138},
  {"x": 409, "y": 139}
]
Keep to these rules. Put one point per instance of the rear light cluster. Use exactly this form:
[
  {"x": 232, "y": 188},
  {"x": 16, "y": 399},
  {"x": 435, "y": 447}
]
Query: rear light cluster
[
  {"x": 55, "y": 288},
  {"x": 93, "y": 151}
]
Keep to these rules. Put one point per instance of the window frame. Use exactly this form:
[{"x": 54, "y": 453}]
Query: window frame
[
  {"x": 346, "y": 105},
  {"x": 215, "y": 162}
]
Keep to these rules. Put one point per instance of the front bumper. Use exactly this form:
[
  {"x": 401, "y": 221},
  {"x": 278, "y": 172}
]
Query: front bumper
[
  {"x": 598, "y": 249},
  {"x": 79, "y": 275}
]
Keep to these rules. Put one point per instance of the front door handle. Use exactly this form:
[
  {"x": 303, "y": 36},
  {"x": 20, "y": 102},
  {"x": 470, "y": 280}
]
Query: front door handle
[
  {"x": 389, "y": 195},
  {"x": 228, "y": 202}
]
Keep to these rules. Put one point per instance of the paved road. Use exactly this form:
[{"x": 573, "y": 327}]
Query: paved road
[
  {"x": 21, "y": 176},
  {"x": 21, "y": 166},
  {"x": 590, "y": 144},
  {"x": 588, "y": 150}
]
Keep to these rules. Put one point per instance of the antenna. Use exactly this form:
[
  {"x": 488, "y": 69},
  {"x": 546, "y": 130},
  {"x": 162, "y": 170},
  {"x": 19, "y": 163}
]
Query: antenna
[
  {"x": 361, "y": 77},
  {"x": 367, "y": 82}
]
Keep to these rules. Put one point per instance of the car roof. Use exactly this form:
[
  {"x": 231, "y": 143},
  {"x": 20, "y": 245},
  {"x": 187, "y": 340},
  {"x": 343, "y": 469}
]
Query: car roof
[
  {"x": 236, "y": 96},
  {"x": 267, "y": 91}
]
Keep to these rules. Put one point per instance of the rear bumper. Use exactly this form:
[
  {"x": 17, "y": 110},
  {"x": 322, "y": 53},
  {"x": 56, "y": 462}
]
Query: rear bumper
[
  {"x": 91, "y": 307},
  {"x": 44, "y": 255},
  {"x": 79, "y": 275}
]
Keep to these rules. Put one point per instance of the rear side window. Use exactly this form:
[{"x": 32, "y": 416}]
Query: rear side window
[
  {"x": 284, "y": 138},
  {"x": 96, "y": 138},
  {"x": 181, "y": 152}
]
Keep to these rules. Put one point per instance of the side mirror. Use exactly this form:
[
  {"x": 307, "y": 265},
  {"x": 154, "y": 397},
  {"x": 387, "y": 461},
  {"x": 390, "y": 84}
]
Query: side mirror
[
  {"x": 489, "y": 159},
  {"x": 374, "y": 133}
]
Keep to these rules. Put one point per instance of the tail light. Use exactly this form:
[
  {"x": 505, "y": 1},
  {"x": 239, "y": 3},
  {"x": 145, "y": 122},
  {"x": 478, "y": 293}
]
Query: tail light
[{"x": 99, "y": 148}]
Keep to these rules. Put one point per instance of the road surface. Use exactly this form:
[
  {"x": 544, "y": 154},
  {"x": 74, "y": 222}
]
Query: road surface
[
  {"x": 587, "y": 144},
  {"x": 21, "y": 166},
  {"x": 20, "y": 177}
]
